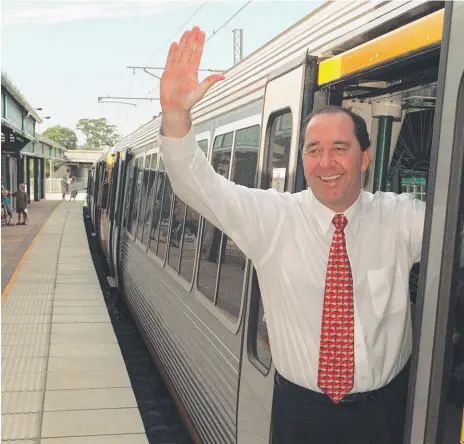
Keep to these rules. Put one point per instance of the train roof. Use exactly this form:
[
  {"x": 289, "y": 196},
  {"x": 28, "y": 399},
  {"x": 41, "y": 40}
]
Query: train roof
[{"x": 333, "y": 28}]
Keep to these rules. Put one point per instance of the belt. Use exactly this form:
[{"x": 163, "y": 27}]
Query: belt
[{"x": 400, "y": 380}]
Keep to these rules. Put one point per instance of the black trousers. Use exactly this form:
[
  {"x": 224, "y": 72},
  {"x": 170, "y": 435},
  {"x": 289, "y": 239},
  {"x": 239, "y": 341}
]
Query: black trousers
[{"x": 301, "y": 416}]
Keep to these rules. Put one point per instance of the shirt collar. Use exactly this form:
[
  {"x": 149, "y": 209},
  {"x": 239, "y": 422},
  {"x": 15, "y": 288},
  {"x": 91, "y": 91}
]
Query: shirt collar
[{"x": 324, "y": 215}]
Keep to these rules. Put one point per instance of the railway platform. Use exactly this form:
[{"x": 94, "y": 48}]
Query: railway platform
[
  {"x": 16, "y": 239},
  {"x": 64, "y": 380}
]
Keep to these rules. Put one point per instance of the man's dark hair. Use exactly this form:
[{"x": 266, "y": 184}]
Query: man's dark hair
[{"x": 360, "y": 128}]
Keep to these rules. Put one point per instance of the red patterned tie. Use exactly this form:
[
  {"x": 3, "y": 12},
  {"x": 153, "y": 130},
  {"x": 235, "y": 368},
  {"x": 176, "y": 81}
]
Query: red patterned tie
[{"x": 336, "y": 355}]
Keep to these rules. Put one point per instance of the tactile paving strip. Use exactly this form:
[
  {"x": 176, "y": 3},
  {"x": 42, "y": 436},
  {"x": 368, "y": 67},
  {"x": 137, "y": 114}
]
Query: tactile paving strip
[
  {"x": 22, "y": 402},
  {"x": 24, "y": 351},
  {"x": 36, "y": 278},
  {"x": 26, "y": 319},
  {"x": 37, "y": 267},
  {"x": 24, "y": 365},
  {"x": 33, "y": 289},
  {"x": 27, "y": 307},
  {"x": 37, "y": 255},
  {"x": 25, "y": 339},
  {"x": 26, "y": 329},
  {"x": 16, "y": 382},
  {"x": 17, "y": 297},
  {"x": 22, "y": 441},
  {"x": 21, "y": 426}
]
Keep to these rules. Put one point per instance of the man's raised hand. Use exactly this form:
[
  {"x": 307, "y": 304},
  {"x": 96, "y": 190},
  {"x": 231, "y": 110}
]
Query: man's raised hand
[{"x": 180, "y": 89}]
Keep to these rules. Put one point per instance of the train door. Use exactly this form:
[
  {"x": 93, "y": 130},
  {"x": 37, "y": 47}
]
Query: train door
[
  {"x": 278, "y": 166},
  {"x": 437, "y": 388},
  {"x": 115, "y": 180}
]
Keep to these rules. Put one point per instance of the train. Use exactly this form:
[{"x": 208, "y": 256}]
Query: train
[{"x": 195, "y": 296}]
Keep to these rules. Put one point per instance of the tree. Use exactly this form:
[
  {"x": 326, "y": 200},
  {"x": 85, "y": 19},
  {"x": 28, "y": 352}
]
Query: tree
[
  {"x": 64, "y": 136},
  {"x": 98, "y": 133}
]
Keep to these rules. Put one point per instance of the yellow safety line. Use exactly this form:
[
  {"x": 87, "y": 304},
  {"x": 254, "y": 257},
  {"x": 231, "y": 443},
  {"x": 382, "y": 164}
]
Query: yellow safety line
[{"x": 11, "y": 282}]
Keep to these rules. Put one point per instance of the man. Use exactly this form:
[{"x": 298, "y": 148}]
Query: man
[
  {"x": 64, "y": 186},
  {"x": 21, "y": 203},
  {"x": 333, "y": 263}
]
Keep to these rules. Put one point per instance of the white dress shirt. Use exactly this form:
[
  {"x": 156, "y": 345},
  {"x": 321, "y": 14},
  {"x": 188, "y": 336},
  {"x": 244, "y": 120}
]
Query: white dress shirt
[{"x": 288, "y": 238}]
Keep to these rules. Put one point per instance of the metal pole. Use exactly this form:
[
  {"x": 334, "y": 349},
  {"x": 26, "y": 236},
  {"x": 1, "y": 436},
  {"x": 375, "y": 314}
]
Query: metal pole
[
  {"x": 28, "y": 178},
  {"x": 36, "y": 179},
  {"x": 382, "y": 154},
  {"x": 7, "y": 173},
  {"x": 19, "y": 170},
  {"x": 386, "y": 110},
  {"x": 42, "y": 178}
]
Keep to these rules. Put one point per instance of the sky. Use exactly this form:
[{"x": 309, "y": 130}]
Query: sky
[{"x": 63, "y": 55}]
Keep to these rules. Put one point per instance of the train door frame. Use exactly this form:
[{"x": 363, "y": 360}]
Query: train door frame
[
  {"x": 432, "y": 352},
  {"x": 290, "y": 88},
  {"x": 113, "y": 198},
  {"x": 124, "y": 171}
]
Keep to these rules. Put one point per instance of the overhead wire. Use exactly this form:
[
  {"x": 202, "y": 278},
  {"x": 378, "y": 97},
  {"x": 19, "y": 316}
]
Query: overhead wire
[
  {"x": 225, "y": 23},
  {"x": 170, "y": 39},
  {"x": 173, "y": 35},
  {"x": 209, "y": 38}
]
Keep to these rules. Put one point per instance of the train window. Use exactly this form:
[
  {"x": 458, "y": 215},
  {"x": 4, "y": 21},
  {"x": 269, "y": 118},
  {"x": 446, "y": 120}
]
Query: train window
[
  {"x": 137, "y": 197},
  {"x": 119, "y": 199},
  {"x": 157, "y": 205},
  {"x": 189, "y": 236},
  {"x": 259, "y": 349},
  {"x": 164, "y": 235},
  {"x": 246, "y": 156},
  {"x": 203, "y": 144},
  {"x": 177, "y": 232},
  {"x": 143, "y": 197},
  {"x": 189, "y": 244},
  {"x": 279, "y": 138},
  {"x": 212, "y": 236},
  {"x": 131, "y": 189},
  {"x": 127, "y": 194},
  {"x": 233, "y": 261},
  {"x": 150, "y": 199},
  {"x": 278, "y": 151}
]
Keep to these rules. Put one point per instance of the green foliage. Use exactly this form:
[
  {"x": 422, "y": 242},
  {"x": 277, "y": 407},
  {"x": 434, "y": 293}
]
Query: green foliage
[
  {"x": 98, "y": 132},
  {"x": 64, "y": 136}
]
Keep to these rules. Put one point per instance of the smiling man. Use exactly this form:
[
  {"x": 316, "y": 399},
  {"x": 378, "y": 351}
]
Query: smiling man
[
  {"x": 335, "y": 151},
  {"x": 333, "y": 264}
]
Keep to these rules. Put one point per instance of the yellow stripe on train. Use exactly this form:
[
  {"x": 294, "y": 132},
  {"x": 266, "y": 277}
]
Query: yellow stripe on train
[
  {"x": 410, "y": 38},
  {"x": 462, "y": 428}
]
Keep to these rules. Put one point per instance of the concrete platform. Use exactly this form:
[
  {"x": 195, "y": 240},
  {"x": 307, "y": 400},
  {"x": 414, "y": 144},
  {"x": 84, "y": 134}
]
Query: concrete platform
[
  {"x": 63, "y": 377},
  {"x": 16, "y": 239}
]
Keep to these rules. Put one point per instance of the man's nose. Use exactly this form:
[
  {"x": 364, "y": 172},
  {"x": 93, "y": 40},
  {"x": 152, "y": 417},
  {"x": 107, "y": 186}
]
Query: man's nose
[{"x": 327, "y": 160}]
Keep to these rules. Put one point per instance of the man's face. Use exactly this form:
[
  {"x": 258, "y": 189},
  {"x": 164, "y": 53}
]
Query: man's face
[{"x": 333, "y": 160}]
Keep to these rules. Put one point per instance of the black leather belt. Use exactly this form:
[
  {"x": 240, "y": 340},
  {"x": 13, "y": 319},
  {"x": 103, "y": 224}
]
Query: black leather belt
[{"x": 401, "y": 379}]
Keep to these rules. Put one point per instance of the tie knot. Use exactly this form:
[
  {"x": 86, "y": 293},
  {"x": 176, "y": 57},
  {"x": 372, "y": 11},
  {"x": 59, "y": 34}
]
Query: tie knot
[{"x": 339, "y": 222}]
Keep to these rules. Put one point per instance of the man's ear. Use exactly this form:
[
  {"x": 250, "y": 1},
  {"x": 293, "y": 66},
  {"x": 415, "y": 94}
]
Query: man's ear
[{"x": 366, "y": 159}]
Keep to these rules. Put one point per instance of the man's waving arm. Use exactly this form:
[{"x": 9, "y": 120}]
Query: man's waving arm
[{"x": 237, "y": 210}]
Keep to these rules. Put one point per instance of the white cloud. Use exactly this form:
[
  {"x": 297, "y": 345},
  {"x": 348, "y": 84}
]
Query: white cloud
[{"x": 16, "y": 12}]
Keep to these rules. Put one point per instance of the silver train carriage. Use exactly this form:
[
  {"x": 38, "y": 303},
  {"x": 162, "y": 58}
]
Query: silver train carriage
[{"x": 192, "y": 292}]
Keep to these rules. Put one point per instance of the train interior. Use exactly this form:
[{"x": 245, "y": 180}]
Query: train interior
[{"x": 406, "y": 142}]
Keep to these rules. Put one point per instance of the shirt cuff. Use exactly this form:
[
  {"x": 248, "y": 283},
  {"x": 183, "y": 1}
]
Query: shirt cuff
[{"x": 178, "y": 148}]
